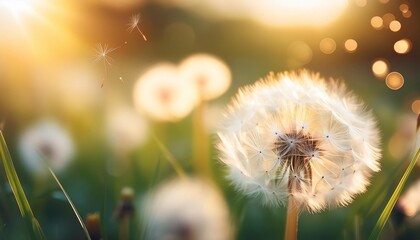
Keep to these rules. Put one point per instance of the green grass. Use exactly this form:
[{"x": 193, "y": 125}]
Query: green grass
[
  {"x": 391, "y": 203},
  {"x": 18, "y": 192}
]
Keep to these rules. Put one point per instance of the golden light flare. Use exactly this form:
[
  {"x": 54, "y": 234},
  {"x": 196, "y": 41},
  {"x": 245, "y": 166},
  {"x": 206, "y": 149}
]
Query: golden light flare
[
  {"x": 415, "y": 106},
  {"x": 327, "y": 45},
  {"x": 314, "y": 13},
  {"x": 404, "y": 8},
  {"x": 388, "y": 18},
  {"x": 297, "y": 12},
  {"x": 377, "y": 22},
  {"x": 402, "y": 46},
  {"x": 407, "y": 14},
  {"x": 380, "y": 68},
  {"x": 299, "y": 54},
  {"x": 384, "y": 1},
  {"x": 394, "y": 80},
  {"x": 350, "y": 45},
  {"x": 395, "y": 26},
  {"x": 36, "y": 30}
]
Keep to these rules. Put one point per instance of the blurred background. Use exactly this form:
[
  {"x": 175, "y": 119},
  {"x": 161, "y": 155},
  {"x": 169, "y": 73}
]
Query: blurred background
[{"x": 107, "y": 91}]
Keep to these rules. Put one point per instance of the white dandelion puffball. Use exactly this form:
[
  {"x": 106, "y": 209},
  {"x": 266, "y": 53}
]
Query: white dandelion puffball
[
  {"x": 125, "y": 129},
  {"x": 163, "y": 95},
  {"x": 46, "y": 141},
  {"x": 296, "y": 135},
  {"x": 186, "y": 209},
  {"x": 208, "y": 73}
]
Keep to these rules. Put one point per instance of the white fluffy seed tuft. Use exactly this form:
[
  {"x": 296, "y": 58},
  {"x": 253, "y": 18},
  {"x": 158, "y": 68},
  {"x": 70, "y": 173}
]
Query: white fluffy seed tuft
[{"x": 298, "y": 135}]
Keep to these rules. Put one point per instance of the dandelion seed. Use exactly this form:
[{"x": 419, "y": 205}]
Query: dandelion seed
[
  {"x": 134, "y": 24},
  {"x": 186, "y": 209},
  {"x": 102, "y": 54},
  {"x": 311, "y": 142}
]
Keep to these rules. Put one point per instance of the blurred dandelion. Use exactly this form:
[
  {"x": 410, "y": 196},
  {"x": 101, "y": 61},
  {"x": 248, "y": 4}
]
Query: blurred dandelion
[
  {"x": 212, "y": 78},
  {"x": 186, "y": 208},
  {"x": 163, "y": 95},
  {"x": 126, "y": 129},
  {"x": 211, "y": 75},
  {"x": 134, "y": 24},
  {"x": 102, "y": 55},
  {"x": 52, "y": 141},
  {"x": 298, "y": 137}
]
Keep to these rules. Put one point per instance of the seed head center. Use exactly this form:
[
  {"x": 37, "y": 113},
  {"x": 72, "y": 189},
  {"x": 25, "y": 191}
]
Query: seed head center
[{"x": 296, "y": 149}]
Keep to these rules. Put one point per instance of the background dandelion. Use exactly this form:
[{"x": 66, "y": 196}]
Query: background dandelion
[
  {"x": 44, "y": 144},
  {"x": 186, "y": 209}
]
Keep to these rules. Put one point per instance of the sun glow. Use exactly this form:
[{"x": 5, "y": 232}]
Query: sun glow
[
  {"x": 36, "y": 29},
  {"x": 298, "y": 12}
]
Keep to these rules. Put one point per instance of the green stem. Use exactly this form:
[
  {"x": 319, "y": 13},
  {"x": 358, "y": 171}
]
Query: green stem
[
  {"x": 391, "y": 203},
  {"x": 124, "y": 228}
]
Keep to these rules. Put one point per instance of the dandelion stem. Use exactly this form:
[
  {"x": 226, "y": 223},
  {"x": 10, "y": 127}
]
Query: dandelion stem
[
  {"x": 201, "y": 143},
  {"x": 292, "y": 220},
  {"x": 124, "y": 228},
  {"x": 144, "y": 36}
]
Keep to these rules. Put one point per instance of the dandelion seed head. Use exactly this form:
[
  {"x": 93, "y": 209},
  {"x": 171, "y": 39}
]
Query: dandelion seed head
[
  {"x": 211, "y": 75},
  {"x": 126, "y": 130},
  {"x": 49, "y": 141},
  {"x": 163, "y": 95},
  {"x": 298, "y": 135},
  {"x": 186, "y": 209}
]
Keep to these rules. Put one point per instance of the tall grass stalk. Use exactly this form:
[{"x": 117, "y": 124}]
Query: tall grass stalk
[
  {"x": 171, "y": 159},
  {"x": 18, "y": 192},
  {"x": 383, "y": 218},
  {"x": 71, "y": 204}
]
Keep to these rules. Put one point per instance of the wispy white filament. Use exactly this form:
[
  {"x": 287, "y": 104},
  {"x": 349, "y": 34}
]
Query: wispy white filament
[{"x": 297, "y": 135}]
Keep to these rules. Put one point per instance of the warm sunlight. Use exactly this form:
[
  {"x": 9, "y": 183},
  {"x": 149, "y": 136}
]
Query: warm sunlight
[{"x": 298, "y": 12}]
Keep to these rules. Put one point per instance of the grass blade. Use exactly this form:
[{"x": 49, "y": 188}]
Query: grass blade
[
  {"x": 390, "y": 205},
  {"x": 171, "y": 159},
  {"x": 17, "y": 189},
  {"x": 71, "y": 204}
]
